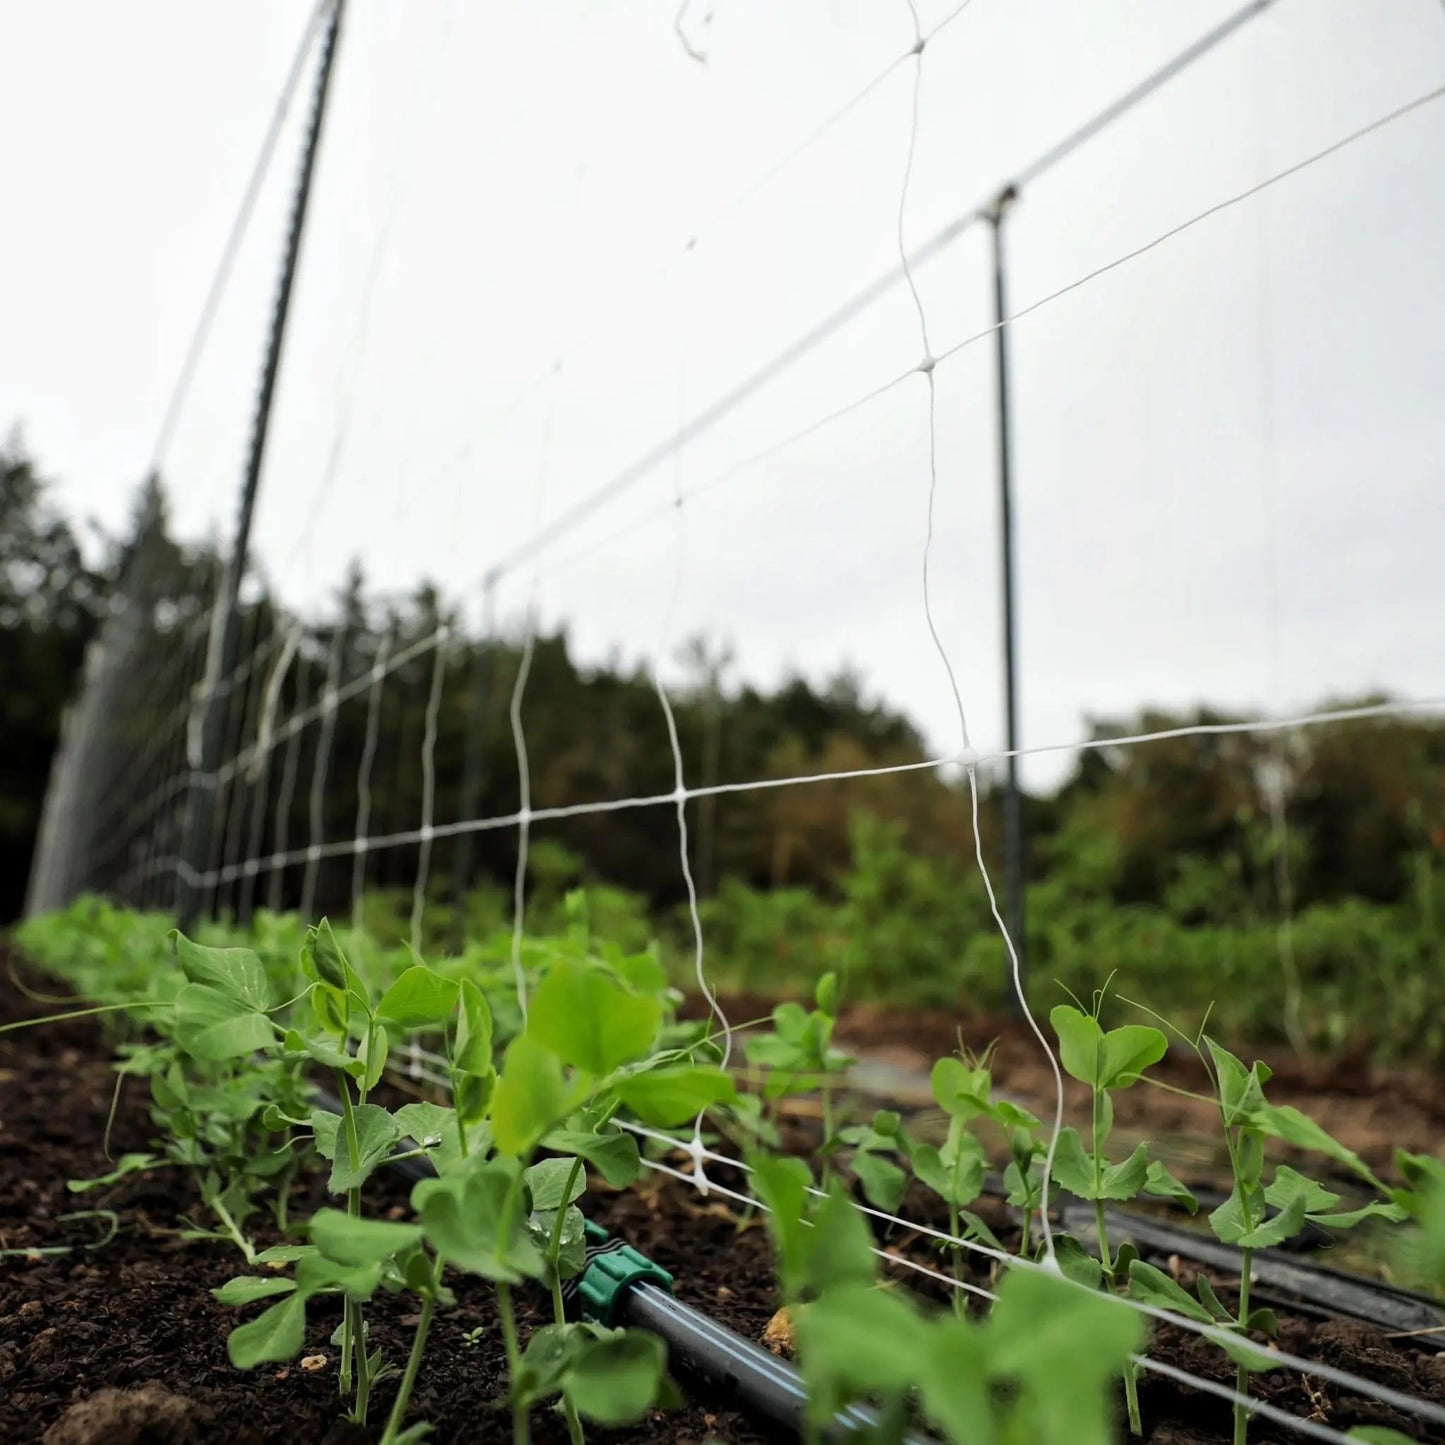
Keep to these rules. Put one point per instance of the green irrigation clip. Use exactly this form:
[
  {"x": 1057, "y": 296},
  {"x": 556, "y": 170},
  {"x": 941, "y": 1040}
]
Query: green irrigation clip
[{"x": 613, "y": 1267}]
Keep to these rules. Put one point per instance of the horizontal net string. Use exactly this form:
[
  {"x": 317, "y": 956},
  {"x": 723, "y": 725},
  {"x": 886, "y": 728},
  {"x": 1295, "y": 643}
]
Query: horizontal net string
[
  {"x": 699, "y": 1153},
  {"x": 701, "y": 423},
  {"x": 345, "y": 847},
  {"x": 945, "y": 236},
  {"x": 706, "y": 419},
  {"x": 1342, "y": 1378},
  {"x": 1378, "y": 124}
]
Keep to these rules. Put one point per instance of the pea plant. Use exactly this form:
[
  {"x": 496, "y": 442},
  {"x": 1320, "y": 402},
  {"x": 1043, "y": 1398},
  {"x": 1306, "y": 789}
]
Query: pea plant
[
  {"x": 1108, "y": 1061},
  {"x": 1264, "y": 1208},
  {"x": 963, "y": 1089},
  {"x": 799, "y": 1056},
  {"x": 219, "y": 1083},
  {"x": 1035, "y": 1370},
  {"x": 509, "y": 1152}
]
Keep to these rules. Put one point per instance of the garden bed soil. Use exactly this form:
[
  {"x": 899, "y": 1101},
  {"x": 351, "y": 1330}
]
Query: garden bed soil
[{"x": 123, "y": 1344}]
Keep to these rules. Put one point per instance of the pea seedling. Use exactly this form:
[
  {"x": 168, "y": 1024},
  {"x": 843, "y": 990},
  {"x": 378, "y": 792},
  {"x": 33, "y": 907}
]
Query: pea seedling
[
  {"x": 1257, "y": 1215},
  {"x": 589, "y": 1049},
  {"x": 1035, "y": 1370},
  {"x": 1107, "y": 1061}
]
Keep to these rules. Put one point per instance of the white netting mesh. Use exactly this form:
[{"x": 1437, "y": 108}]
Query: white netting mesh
[{"x": 769, "y": 430}]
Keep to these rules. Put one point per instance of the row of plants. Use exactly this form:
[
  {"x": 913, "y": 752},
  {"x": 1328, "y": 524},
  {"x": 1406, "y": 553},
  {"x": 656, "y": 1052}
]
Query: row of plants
[
  {"x": 233, "y": 1031},
  {"x": 903, "y": 928}
]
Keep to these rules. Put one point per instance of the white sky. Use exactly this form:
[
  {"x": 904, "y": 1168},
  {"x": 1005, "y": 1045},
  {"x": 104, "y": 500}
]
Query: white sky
[{"x": 1228, "y": 450}]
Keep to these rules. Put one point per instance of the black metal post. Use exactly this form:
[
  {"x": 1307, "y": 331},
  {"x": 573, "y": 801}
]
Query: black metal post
[
  {"x": 1013, "y": 821},
  {"x": 225, "y": 636}
]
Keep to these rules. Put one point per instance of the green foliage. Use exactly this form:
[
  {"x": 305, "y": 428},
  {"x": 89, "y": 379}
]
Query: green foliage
[
  {"x": 227, "y": 1027},
  {"x": 1022, "y": 1375}
]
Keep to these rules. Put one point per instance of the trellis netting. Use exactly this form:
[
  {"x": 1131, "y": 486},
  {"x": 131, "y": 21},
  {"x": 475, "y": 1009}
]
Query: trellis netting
[{"x": 666, "y": 334}]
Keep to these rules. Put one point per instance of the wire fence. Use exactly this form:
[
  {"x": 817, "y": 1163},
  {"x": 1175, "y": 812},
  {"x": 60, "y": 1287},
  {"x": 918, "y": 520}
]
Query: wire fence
[{"x": 319, "y": 793}]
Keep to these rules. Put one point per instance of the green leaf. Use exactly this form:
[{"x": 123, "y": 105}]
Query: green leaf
[
  {"x": 571, "y": 1247},
  {"x": 1076, "y": 1263},
  {"x": 614, "y": 1381},
  {"x": 347, "y": 1239},
  {"x": 961, "y": 1091},
  {"x": 613, "y": 1155},
  {"x": 782, "y": 1183},
  {"x": 1380, "y": 1435},
  {"x": 839, "y": 1245},
  {"x": 1159, "y": 1181},
  {"x": 883, "y": 1181},
  {"x": 1128, "y": 1051},
  {"x": 1248, "y": 1356},
  {"x": 473, "y": 1094},
  {"x": 372, "y": 1053},
  {"x": 420, "y": 998},
  {"x": 530, "y": 1097},
  {"x": 285, "y": 1253},
  {"x": 857, "y": 1340},
  {"x": 275, "y": 1334},
  {"x": 325, "y": 1126},
  {"x": 589, "y": 1020},
  {"x": 675, "y": 1093},
  {"x": 472, "y": 1049},
  {"x": 825, "y": 996},
  {"x": 1039, "y": 1320},
  {"x": 1376, "y": 1208},
  {"x": 955, "y": 1173},
  {"x": 1241, "y": 1090},
  {"x": 247, "y": 1288},
  {"x": 1284, "y": 1121},
  {"x": 1081, "y": 1042},
  {"x": 126, "y": 1164},
  {"x": 550, "y": 1353},
  {"x": 213, "y": 1025},
  {"x": 1074, "y": 1166},
  {"x": 324, "y": 1053},
  {"x": 466, "y": 1219},
  {"x": 434, "y": 1128},
  {"x": 323, "y": 955},
  {"x": 1228, "y": 1222},
  {"x": 328, "y": 1007},
  {"x": 315, "y": 1275},
  {"x": 376, "y": 1135},
  {"x": 1152, "y": 1286},
  {"x": 235, "y": 972},
  {"x": 550, "y": 1178},
  {"x": 1209, "y": 1299},
  {"x": 953, "y": 1379}
]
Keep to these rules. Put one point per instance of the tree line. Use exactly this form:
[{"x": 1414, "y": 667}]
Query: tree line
[{"x": 1164, "y": 822}]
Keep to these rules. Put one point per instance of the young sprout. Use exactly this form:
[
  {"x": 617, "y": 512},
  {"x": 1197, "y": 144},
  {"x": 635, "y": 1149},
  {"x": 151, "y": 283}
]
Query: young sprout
[{"x": 1108, "y": 1061}]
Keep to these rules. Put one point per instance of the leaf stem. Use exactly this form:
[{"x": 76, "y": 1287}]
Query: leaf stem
[
  {"x": 413, "y": 1360},
  {"x": 521, "y": 1427},
  {"x": 554, "y": 1275},
  {"x": 1241, "y": 1374}
]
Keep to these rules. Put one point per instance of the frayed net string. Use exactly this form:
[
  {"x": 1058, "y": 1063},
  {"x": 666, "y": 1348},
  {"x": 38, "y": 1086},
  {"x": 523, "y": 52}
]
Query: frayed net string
[
  {"x": 695, "y": 1149},
  {"x": 968, "y": 757},
  {"x": 519, "y": 736}
]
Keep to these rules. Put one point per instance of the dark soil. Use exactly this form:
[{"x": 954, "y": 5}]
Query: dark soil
[{"x": 123, "y": 1343}]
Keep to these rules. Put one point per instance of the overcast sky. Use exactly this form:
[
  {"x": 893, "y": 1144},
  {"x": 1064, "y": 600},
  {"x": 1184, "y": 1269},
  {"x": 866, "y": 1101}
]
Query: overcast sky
[{"x": 1228, "y": 451}]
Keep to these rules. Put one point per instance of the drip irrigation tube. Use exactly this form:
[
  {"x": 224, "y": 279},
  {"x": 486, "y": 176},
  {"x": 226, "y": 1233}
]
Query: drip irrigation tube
[
  {"x": 620, "y": 1286},
  {"x": 1386, "y": 1307}
]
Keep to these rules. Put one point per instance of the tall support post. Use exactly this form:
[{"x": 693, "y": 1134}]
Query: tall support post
[
  {"x": 1013, "y": 819},
  {"x": 207, "y": 720}
]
